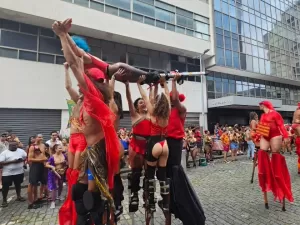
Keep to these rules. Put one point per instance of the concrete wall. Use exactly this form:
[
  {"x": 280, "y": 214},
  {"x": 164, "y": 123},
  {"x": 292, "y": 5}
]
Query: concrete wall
[{"x": 35, "y": 85}]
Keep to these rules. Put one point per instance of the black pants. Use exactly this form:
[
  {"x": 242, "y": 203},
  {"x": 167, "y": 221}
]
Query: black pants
[
  {"x": 175, "y": 151},
  {"x": 7, "y": 182}
]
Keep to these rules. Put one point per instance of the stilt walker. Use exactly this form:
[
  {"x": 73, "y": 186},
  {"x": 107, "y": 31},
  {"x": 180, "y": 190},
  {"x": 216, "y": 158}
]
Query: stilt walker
[
  {"x": 273, "y": 175},
  {"x": 296, "y": 129},
  {"x": 184, "y": 202}
]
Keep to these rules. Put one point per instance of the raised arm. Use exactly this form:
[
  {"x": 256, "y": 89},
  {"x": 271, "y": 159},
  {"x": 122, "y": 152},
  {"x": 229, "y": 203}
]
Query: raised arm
[
  {"x": 175, "y": 97},
  {"x": 144, "y": 95},
  {"x": 132, "y": 110},
  {"x": 72, "y": 59},
  {"x": 166, "y": 88},
  {"x": 68, "y": 84}
]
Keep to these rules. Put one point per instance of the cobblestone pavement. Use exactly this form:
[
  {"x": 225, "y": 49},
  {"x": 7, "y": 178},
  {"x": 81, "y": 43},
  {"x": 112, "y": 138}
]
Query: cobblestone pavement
[{"x": 224, "y": 190}]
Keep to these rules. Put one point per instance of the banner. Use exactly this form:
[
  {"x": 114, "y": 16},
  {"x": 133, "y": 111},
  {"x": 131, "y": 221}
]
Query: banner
[{"x": 71, "y": 105}]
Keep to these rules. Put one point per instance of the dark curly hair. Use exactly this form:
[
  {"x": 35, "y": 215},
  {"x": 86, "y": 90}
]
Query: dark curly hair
[
  {"x": 252, "y": 116},
  {"x": 136, "y": 102},
  {"x": 162, "y": 108}
]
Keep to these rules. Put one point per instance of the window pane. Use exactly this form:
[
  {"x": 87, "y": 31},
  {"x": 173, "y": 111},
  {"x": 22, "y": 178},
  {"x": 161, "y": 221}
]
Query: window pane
[
  {"x": 236, "y": 60},
  {"x": 143, "y": 8},
  {"x": 124, "y": 14},
  {"x": 185, "y": 22},
  {"x": 228, "y": 58},
  {"x": 226, "y": 22},
  {"x": 97, "y": 6},
  {"x": 255, "y": 65},
  {"x": 46, "y": 32},
  {"x": 18, "y": 40},
  {"x": 165, "y": 6},
  {"x": 218, "y": 19},
  {"x": 202, "y": 27},
  {"x": 137, "y": 17},
  {"x": 225, "y": 8},
  {"x": 46, "y": 58},
  {"x": 190, "y": 32},
  {"x": 220, "y": 57},
  {"x": 164, "y": 15},
  {"x": 228, "y": 42},
  {"x": 178, "y": 66},
  {"x": 233, "y": 23},
  {"x": 29, "y": 29},
  {"x": 125, "y": 4},
  {"x": 50, "y": 45},
  {"x": 235, "y": 45},
  {"x": 160, "y": 24},
  {"x": 205, "y": 37},
  {"x": 184, "y": 12},
  {"x": 170, "y": 27},
  {"x": 220, "y": 42},
  {"x": 60, "y": 59},
  {"x": 218, "y": 5},
  {"x": 249, "y": 63},
  {"x": 138, "y": 60},
  {"x": 149, "y": 21},
  {"x": 27, "y": 55},
  {"x": 111, "y": 10},
  {"x": 9, "y": 25},
  {"x": 82, "y": 2},
  {"x": 262, "y": 66},
  {"x": 9, "y": 53}
]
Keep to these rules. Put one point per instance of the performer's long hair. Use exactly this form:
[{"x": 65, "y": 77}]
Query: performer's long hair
[
  {"x": 252, "y": 116},
  {"x": 161, "y": 107},
  {"x": 118, "y": 101}
]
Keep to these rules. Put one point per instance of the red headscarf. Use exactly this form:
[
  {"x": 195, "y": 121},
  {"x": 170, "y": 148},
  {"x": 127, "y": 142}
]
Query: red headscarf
[
  {"x": 97, "y": 74},
  {"x": 181, "y": 97},
  {"x": 267, "y": 104}
]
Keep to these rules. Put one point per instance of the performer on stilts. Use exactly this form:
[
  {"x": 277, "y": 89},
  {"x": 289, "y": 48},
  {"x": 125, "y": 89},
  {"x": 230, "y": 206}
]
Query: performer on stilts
[
  {"x": 273, "y": 175},
  {"x": 157, "y": 150},
  {"x": 140, "y": 120},
  {"x": 296, "y": 128},
  {"x": 100, "y": 162},
  {"x": 81, "y": 49},
  {"x": 184, "y": 202},
  {"x": 77, "y": 146}
]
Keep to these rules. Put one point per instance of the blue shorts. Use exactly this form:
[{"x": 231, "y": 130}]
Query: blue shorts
[
  {"x": 90, "y": 175},
  {"x": 234, "y": 146}
]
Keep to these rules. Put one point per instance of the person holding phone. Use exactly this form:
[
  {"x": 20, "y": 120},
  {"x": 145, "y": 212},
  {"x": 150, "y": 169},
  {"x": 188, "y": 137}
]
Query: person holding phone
[{"x": 12, "y": 160}]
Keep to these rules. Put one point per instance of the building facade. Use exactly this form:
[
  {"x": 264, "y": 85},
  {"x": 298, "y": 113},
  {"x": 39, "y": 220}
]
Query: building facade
[
  {"x": 149, "y": 34},
  {"x": 256, "y": 57}
]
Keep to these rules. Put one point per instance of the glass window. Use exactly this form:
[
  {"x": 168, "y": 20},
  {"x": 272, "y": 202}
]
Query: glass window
[
  {"x": 124, "y": 14},
  {"x": 97, "y": 6},
  {"x": 220, "y": 42},
  {"x": 205, "y": 37},
  {"x": 218, "y": 19},
  {"x": 227, "y": 42},
  {"x": 143, "y": 8},
  {"x": 9, "y": 25},
  {"x": 262, "y": 66},
  {"x": 137, "y": 17},
  {"x": 184, "y": 12},
  {"x": 219, "y": 31},
  {"x": 18, "y": 40},
  {"x": 225, "y": 8},
  {"x": 261, "y": 53},
  {"x": 170, "y": 27},
  {"x": 236, "y": 60},
  {"x": 254, "y": 50},
  {"x": 228, "y": 58},
  {"x": 46, "y": 58},
  {"x": 202, "y": 27},
  {"x": 9, "y": 53},
  {"x": 233, "y": 23},
  {"x": 220, "y": 57},
  {"x": 165, "y": 6},
  {"x": 247, "y": 30},
  {"x": 243, "y": 61},
  {"x": 198, "y": 35},
  {"x": 178, "y": 66},
  {"x": 201, "y": 18},
  {"x": 184, "y": 21},
  {"x": 27, "y": 55},
  {"x": 60, "y": 60},
  {"x": 160, "y": 24},
  {"x": 125, "y": 4},
  {"x": 255, "y": 65},
  {"x": 151, "y": 2},
  {"x": 180, "y": 30},
  {"x": 149, "y": 21},
  {"x": 111, "y": 10},
  {"x": 246, "y": 16},
  {"x": 50, "y": 45},
  {"x": 29, "y": 29},
  {"x": 46, "y": 32},
  {"x": 190, "y": 32},
  {"x": 249, "y": 63},
  {"x": 226, "y": 24},
  {"x": 210, "y": 85},
  {"x": 232, "y": 11},
  {"x": 235, "y": 45},
  {"x": 218, "y": 85},
  {"x": 218, "y": 5},
  {"x": 164, "y": 15},
  {"x": 82, "y": 2}
]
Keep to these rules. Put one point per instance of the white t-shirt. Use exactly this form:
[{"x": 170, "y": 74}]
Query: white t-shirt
[
  {"x": 14, "y": 168},
  {"x": 51, "y": 143}
]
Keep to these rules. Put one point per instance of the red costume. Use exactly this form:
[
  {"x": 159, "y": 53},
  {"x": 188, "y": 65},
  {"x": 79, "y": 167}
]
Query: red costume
[
  {"x": 141, "y": 131},
  {"x": 77, "y": 142},
  {"x": 273, "y": 175},
  {"x": 98, "y": 65},
  {"x": 95, "y": 107},
  {"x": 297, "y": 140}
]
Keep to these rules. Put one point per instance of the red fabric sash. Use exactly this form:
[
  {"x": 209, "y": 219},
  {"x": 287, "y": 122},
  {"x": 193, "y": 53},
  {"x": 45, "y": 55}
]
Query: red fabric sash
[
  {"x": 94, "y": 105},
  {"x": 265, "y": 175}
]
